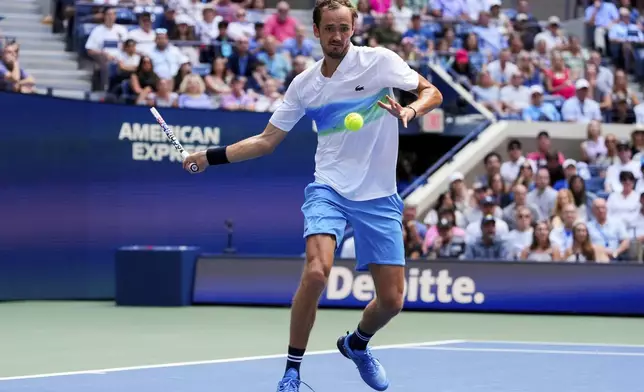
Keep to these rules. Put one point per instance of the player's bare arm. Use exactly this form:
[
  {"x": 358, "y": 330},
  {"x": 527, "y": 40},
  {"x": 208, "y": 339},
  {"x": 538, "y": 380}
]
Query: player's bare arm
[
  {"x": 250, "y": 148},
  {"x": 429, "y": 98}
]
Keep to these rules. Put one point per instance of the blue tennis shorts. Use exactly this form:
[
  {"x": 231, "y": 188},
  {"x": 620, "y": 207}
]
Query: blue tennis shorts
[{"x": 377, "y": 224}]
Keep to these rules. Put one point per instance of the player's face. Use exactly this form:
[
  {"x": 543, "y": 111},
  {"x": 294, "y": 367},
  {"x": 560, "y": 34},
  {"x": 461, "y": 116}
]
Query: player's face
[{"x": 335, "y": 31}]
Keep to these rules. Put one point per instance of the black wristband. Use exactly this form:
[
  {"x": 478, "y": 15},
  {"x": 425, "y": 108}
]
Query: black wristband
[
  {"x": 415, "y": 113},
  {"x": 217, "y": 156}
]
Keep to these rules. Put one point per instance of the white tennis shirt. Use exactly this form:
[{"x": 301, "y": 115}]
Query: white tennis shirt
[{"x": 359, "y": 165}]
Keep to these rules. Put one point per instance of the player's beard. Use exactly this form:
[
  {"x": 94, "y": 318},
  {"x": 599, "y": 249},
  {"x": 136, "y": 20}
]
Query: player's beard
[{"x": 336, "y": 52}]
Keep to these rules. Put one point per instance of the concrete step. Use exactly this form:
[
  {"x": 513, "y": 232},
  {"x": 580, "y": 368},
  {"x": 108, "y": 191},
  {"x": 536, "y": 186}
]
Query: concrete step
[
  {"x": 24, "y": 36},
  {"x": 25, "y": 17},
  {"x": 24, "y": 26},
  {"x": 36, "y": 45},
  {"x": 45, "y": 63},
  {"x": 60, "y": 74},
  {"x": 54, "y": 55},
  {"x": 78, "y": 85},
  {"x": 18, "y": 7}
]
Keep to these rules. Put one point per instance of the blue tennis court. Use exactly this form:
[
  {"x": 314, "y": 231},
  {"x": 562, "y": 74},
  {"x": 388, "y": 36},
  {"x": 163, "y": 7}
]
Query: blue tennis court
[{"x": 442, "y": 366}]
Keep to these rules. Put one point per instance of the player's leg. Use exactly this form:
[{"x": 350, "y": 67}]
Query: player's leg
[
  {"x": 379, "y": 249},
  {"x": 324, "y": 227}
]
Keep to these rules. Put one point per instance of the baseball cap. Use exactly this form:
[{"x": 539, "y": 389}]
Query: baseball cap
[
  {"x": 521, "y": 17},
  {"x": 456, "y": 176},
  {"x": 461, "y": 56},
  {"x": 554, "y": 20},
  {"x": 623, "y": 143},
  {"x": 581, "y": 83},
  {"x": 624, "y": 11},
  {"x": 569, "y": 162},
  {"x": 489, "y": 200},
  {"x": 536, "y": 89},
  {"x": 488, "y": 219}
]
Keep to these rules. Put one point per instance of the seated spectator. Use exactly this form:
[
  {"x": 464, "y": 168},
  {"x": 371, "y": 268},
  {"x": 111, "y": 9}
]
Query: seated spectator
[
  {"x": 520, "y": 193},
  {"x": 270, "y": 99},
  {"x": 144, "y": 80},
  {"x": 410, "y": 214},
  {"x": 569, "y": 170},
  {"x": 520, "y": 236},
  {"x": 128, "y": 62},
  {"x": 605, "y": 78},
  {"x": 612, "y": 183},
  {"x": 510, "y": 169},
  {"x": 259, "y": 77},
  {"x": 638, "y": 221},
  {"x": 488, "y": 208},
  {"x": 217, "y": 82},
  {"x": 487, "y": 93},
  {"x": 242, "y": 62},
  {"x": 543, "y": 196},
  {"x": 564, "y": 198},
  {"x": 463, "y": 68},
  {"x": 449, "y": 36},
  {"x": 492, "y": 163},
  {"x": 582, "y": 199},
  {"x": 423, "y": 37},
  {"x": 608, "y": 232},
  {"x": 611, "y": 157},
  {"x": 576, "y": 57},
  {"x": 277, "y": 65},
  {"x": 498, "y": 18},
  {"x": 516, "y": 47},
  {"x": 256, "y": 43},
  {"x": 410, "y": 54},
  {"x": 166, "y": 58},
  {"x": 459, "y": 193},
  {"x": 594, "y": 146},
  {"x": 499, "y": 191},
  {"x": 446, "y": 244},
  {"x": 637, "y": 142},
  {"x": 185, "y": 69},
  {"x": 144, "y": 36},
  {"x": 488, "y": 245},
  {"x": 553, "y": 36},
  {"x": 502, "y": 70},
  {"x": 622, "y": 98},
  {"x": 299, "y": 66},
  {"x": 555, "y": 168},
  {"x": 448, "y": 214},
  {"x": 384, "y": 32},
  {"x": 581, "y": 108},
  {"x": 12, "y": 77},
  {"x": 483, "y": 204},
  {"x": 624, "y": 37},
  {"x": 561, "y": 237},
  {"x": 622, "y": 112},
  {"x": 544, "y": 145},
  {"x": 444, "y": 202},
  {"x": 623, "y": 206},
  {"x": 471, "y": 43},
  {"x": 237, "y": 99},
  {"x": 530, "y": 73},
  {"x": 192, "y": 93},
  {"x": 541, "y": 248},
  {"x": 164, "y": 97},
  {"x": 541, "y": 57},
  {"x": 515, "y": 97},
  {"x": 402, "y": 15},
  {"x": 184, "y": 30},
  {"x": 491, "y": 39},
  {"x": 539, "y": 110},
  {"x": 281, "y": 25},
  {"x": 448, "y": 10},
  {"x": 191, "y": 10},
  {"x": 526, "y": 175},
  {"x": 241, "y": 26},
  {"x": 599, "y": 16},
  {"x": 256, "y": 11},
  {"x": 227, "y": 9},
  {"x": 582, "y": 249},
  {"x": 527, "y": 30},
  {"x": 558, "y": 79},
  {"x": 103, "y": 45},
  {"x": 298, "y": 46},
  {"x": 208, "y": 28}
]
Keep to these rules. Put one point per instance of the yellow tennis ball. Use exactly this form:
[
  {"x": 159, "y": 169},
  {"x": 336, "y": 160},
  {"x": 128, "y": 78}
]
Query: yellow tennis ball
[{"x": 353, "y": 121}]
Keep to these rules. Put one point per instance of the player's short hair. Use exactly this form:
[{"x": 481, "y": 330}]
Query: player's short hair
[{"x": 320, "y": 5}]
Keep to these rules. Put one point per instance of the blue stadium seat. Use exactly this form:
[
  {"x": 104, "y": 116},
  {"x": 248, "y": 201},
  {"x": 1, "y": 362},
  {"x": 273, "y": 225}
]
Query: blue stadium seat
[
  {"x": 595, "y": 185},
  {"x": 201, "y": 69}
]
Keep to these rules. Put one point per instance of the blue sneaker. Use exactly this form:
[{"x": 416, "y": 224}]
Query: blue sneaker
[
  {"x": 291, "y": 382},
  {"x": 371, "y": 371}
]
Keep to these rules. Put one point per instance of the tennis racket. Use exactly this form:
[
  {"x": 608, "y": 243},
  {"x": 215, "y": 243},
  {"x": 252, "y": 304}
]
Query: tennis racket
[{"x": 166, "y": 129}]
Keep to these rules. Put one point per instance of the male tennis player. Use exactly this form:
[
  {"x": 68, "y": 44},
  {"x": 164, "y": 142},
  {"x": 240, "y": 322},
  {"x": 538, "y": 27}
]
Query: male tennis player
[{"x": 355, "y": 177}]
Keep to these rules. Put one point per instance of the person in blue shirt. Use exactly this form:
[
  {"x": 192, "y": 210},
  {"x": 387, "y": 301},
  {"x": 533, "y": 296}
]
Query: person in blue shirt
[
  {"x": 539, "y": 110},
  {"x": 623, "y": 36},
  {"x": 488, "y": 247},
  {"x": 422, "y": 35},
  {"x": 599, "y": 17}
]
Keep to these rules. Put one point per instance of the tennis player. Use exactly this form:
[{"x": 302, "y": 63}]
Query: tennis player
[{"x": 355, "y": 178}]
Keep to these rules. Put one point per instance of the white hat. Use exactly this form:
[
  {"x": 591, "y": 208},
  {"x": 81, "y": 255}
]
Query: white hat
[
  {"x": 624, "y": 11},
  {"x": 581, "y": 83},
  {"x": 554, "y": 20},
  {"x": 183, "y": 19},
  {"x": 494, "y": 3},
  {"x": 536, "y": 89},
  {"x": 522, "y": 16},
  {"x": 569, "y": 162},
  {"x": 456, "y": 176}
]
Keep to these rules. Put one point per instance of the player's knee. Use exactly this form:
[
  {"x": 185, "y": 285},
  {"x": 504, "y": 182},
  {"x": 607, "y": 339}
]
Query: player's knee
[
  {"x": 392, "y": 302},
  {"x": 316, "y": 274}
]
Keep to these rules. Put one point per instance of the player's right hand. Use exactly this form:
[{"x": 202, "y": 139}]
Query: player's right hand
[{"x": 199, "y": 158}]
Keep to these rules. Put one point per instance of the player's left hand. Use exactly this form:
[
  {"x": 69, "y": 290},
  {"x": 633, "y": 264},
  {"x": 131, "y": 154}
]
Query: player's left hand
[{"x": 405, "y": 114}]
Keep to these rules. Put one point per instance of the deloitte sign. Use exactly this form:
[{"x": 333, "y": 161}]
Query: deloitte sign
[{"x": 421, "y": 285}]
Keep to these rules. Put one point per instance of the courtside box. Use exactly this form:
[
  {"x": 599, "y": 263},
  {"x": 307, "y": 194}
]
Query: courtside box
[{"x": 155, "y": 275}]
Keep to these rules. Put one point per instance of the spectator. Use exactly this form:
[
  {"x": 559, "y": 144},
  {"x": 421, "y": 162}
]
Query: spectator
[
  {"x": 612, "y": 183},
  {"x": 594, "y": 146},
  {"x": 541, "y": 248},
  {"x": 166, "y": 58},
  {"x": 217, "y": 82},
  {"x": 162, "y": 98},
  {"x": 412, "y": 238},
  {"x": 595, "y": 91},
  {"x": 611, "y": 157},
  {"x": 575, "y": 57},
  {"x": 600, "y": 15},
  {"x": 499, "y": 19},
  {"x": 520, "y": 236},
  {"x": 223, "y": 44},
  {"x": 298, "y": 46},
  {"x": 605, "y": 78},
  {"x": 515, "y": 97},
  {"x": 423, "y": 36},
  {"x": 448, "y": 10},
  {"x": 410, "y": 214},
  {"x": 488, "y": 208},
  {"x": 582, "y": 249},
  {"x": 144, "y": 80},
  {"x": 543, "y": 196},
  {"x": 526, "y": 175},
  {"x": 128, "y": 62},
  {"x": 541, "y": 56},
  {"x": 487, "y": 93},
  {"x": 241, "y": 26},
  {"x": 256, "y": 43},
  {"x": 226, "y": 9},
  {"x": 531, "y": 74},
  {"x": 553, "y": 36},
  {"x": 581, "y": 108},
  {"x": 459, "y": 193},
  {"x": 384, "y": 33},
  {"x": 491, "y": 40},
  {"x": 144, "y": 35},
  {"x": 192, "y": 93},
  {"x": 184, "y": 69},
  {"x": 237, "y": 99},
  {"x": 622, "y": 112},
  {"x": 270, "y": 99},
  {"x": 569, "y": 170},
  {"x": 487, "y": 246},
  {"x": 444, "y": 202},
  {"x": 539, "y": 110},
  {"x": 637, "y": 141},
  {"x": 624, "y": 37},
  {"x": 561, "y": 237},
  {"x": 638, "y": 222},
  {"x": 103, "y": 45},
  {"x": 634, "y": 13},
  {"x": 621, "y": 92},
  {"x": 208, "y": 27},
  {"x": 582, "y": 199},
  {"x": 510, "y": 169},
  {"x": 555, "y": 168},
  {"x": 510, "y": 212},
  {"x": 466, "y": 75},
  {"x": 448, "y": 214},
  {"x": 277, "y": 64},
  {"x": 558, "y": 80},
  {"x": 281, "y": 25},
  {"x": 564, "y": 198},
  {"x": 502, "y": 70},
  {"x": 402, "y": 15},
  {"x": 242, "y": 62},
  {"x": 12, "y": 77},
  {"x": 449, "y": 36},
  {"x": 544, "y": 144},
  {"x": 623, "y": 206},
  {"x": 483, "y": 204},
  {"x": 191, "y": 10},
  {"x": 184, "y": 31},
  {"x": 498, "y": 190},
  {"x": 608, "y": 232},
  {"x": 447, "y": 244},
  {"x": 256, "y": 11},
  {"x": 299, "y": 66},
  {"x": 492, "y": 163}
]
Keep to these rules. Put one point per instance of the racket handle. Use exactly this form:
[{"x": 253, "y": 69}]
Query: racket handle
[{"x": 193, "y": 166}]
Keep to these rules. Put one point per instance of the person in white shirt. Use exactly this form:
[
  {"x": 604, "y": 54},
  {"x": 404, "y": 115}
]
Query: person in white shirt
[
  {"x": 608, "y": 232},
  {"x": 521, "y": 236},
  {"x": 623, "y": 206},
  {"x": 637, "y": 224},
  {"x": 501, "y": 70},
  {"x": 402, "y": 16},
  {"x": 241, "y": 27},
  {"x": 561, "y": 236},
  {"x": 624, "y": 153},
  {"x": 355, "y": 177},
  {"x": 510, "y": 169},
  {"x": 144, "y": 35},
  {"x": 581, "y": 108},
  {"x": 520, "y": 201},
  {"x": 488, "y": 208},
  {"x": 515, "y": 96},
  {"x": 192, "y": 9},
  {"x": 552, "y": 35},
  {"x": 543, "y": 195},
  {"x": 104, "y": 45},
  {"x": 208, "y": 28},
  {"x": 166, "y": 58}
]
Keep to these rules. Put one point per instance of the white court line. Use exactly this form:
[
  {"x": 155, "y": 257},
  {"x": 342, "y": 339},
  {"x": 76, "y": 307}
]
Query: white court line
[
  {"x": 527, "y": 351},
  {"x": 215, "y": 361},
  {"x": 540, "y": 343}
]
